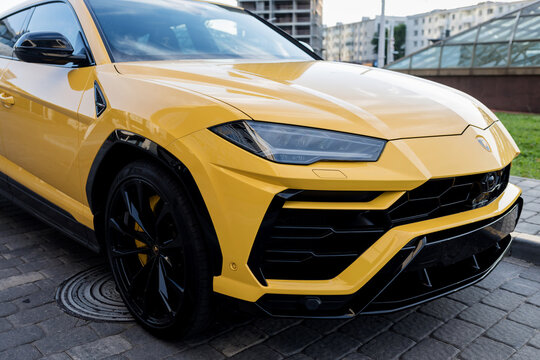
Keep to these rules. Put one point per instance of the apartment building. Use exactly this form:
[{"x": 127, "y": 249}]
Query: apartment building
[
  {"x": 301, "y": 19},
  {"x": 428, "y": 28},
  {"x": 352, "y": 42}
]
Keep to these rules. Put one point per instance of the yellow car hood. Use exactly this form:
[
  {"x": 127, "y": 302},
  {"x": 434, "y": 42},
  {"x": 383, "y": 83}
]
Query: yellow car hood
[{"x": 329, "y": 95}]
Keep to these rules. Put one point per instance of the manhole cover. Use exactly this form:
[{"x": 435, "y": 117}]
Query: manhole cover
[{"x": 92, "y": 295}]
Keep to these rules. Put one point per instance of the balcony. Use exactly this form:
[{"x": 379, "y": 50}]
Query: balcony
[
  {"x": 303, "y": 5},
  {"x": 283, "y": 6},
  {"x": 251, "y": 6},
  {"x": 303, "y": 18},
  {"x": 280, "y": 19},
  {"x": 303, "y": 30}
]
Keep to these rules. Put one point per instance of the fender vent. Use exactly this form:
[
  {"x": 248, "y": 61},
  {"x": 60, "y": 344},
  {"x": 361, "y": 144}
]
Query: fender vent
[{"x": 101, "y": 103}]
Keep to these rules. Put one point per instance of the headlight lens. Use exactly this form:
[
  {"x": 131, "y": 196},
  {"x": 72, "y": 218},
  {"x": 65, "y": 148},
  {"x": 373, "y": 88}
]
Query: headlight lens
[{"x": 289, "y": 144}]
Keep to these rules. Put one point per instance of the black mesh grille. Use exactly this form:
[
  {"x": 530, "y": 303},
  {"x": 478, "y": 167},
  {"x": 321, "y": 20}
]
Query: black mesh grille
[
  {"x": 320, "y": 244},
  {"x": 440, "y": 197}
]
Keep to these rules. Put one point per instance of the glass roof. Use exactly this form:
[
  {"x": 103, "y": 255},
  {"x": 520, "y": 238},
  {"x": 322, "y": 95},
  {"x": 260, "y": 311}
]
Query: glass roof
[{"x": 512, "y": 40}]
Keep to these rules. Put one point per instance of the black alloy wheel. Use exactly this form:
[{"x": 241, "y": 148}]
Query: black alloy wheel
[{"x": 156, "y": 251}]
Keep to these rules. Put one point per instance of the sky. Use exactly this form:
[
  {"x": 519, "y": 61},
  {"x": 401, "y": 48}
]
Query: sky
[{"x": 347, "y": 11}]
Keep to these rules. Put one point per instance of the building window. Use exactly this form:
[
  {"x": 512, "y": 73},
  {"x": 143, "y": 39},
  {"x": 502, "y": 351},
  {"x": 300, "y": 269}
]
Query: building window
[
  {"x": 453, "y": 16},
  {"x": 429, "y": 31},
  {"x": 429, "y": 20},
  {"x": 415, "y": 32},
  {"x": 416, "y": 44},
  {"x": 500, "y": 9},
  {"x": 415, "y": 21},
  {"x": 490, "y": 11},
  {"x": 480, "y": 12},
  {"x": 422, "y": 32}
]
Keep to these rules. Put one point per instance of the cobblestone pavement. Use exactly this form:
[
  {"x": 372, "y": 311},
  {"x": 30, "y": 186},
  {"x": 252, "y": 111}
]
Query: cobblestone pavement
[
  {"x": 499, "y": 318},
  {"x": 530, "y": 216}
]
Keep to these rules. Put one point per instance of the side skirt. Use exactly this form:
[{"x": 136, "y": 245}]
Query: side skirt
[{"x": 48, "y": 212}]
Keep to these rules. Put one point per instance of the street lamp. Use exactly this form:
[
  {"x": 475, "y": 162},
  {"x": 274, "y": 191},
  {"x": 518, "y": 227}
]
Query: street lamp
[
  {"x": 390, "y": 50},
  {"x": 382, "y": 36}
]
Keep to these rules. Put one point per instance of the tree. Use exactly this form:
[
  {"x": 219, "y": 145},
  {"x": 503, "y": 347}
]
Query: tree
[{"x": 399, "y": 41}]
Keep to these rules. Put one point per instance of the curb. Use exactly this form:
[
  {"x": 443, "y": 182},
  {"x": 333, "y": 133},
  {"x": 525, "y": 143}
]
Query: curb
[{"x": 526, "y": 247}]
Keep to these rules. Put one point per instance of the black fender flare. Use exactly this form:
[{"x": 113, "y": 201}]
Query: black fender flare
[{"x": 143, "y": 147}]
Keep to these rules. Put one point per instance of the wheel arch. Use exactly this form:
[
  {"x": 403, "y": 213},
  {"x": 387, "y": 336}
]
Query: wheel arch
[{"x": 122, "y": 147}]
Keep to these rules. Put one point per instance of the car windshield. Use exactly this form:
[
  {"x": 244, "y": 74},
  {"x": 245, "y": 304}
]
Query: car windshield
[{"x": 137, "y": 30}]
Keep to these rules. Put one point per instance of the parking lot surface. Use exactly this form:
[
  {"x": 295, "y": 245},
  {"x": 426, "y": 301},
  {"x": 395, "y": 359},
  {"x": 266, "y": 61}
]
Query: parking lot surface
[{"x": 498, "y": 318}]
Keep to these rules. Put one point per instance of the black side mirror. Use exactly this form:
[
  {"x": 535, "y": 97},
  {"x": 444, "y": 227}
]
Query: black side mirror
[{"x": 47, "y": 48}]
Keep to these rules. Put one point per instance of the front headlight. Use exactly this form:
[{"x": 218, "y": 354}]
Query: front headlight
[{"x": 289, "y": 144}]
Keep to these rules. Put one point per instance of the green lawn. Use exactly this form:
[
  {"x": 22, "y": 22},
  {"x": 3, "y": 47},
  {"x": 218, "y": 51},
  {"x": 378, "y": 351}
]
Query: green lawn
[{"x": 525, "y": 128}]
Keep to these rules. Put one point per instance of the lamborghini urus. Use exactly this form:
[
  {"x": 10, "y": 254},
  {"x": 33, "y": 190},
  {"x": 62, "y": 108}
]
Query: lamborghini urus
[{"x": 203, "y": 151}]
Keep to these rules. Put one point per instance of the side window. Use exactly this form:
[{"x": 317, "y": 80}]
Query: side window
[
  {"x": 57, "y": 17},
  {"x": 10, "y": 30}
]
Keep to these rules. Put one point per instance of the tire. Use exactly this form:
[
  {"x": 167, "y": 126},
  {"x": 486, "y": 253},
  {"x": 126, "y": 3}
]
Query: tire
[{"x": 156, "y": 251}]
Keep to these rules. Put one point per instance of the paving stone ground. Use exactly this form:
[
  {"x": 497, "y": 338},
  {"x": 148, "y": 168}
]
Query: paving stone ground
[
  {"x": 498, "y": 318},
  {"x": 530, "y": 216}
]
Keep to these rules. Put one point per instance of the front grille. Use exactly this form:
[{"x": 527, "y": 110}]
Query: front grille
[
  {"x": 319, "y": 244},
  {"x": 440, "y": 197}
]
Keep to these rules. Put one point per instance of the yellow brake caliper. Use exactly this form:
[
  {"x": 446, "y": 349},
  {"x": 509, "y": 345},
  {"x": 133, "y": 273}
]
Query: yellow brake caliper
[{"x": 143, "y": 258}]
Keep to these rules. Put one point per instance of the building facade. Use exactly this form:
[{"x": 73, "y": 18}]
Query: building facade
[
  {"x": 352, "y": 42},
  {"x": 428, "y": 28},
  {"x": 301, "y": 19}
]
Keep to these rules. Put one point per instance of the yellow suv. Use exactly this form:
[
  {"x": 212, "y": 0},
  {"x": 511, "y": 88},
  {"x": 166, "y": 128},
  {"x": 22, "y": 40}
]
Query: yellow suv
[{"x": 204, "y": 151}]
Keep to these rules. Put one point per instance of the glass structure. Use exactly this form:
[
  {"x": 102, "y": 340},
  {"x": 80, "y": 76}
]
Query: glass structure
[{"x": 512, "y": 40}]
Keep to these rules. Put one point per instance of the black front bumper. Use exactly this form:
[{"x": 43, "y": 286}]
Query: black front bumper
[{"x": 429, "y": 267}]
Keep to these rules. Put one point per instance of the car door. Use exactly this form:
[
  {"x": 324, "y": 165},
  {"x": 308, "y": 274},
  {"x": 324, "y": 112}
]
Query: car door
[
  {"x": 10, "y": 30},
  {"x": 40, "y": 128}
]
